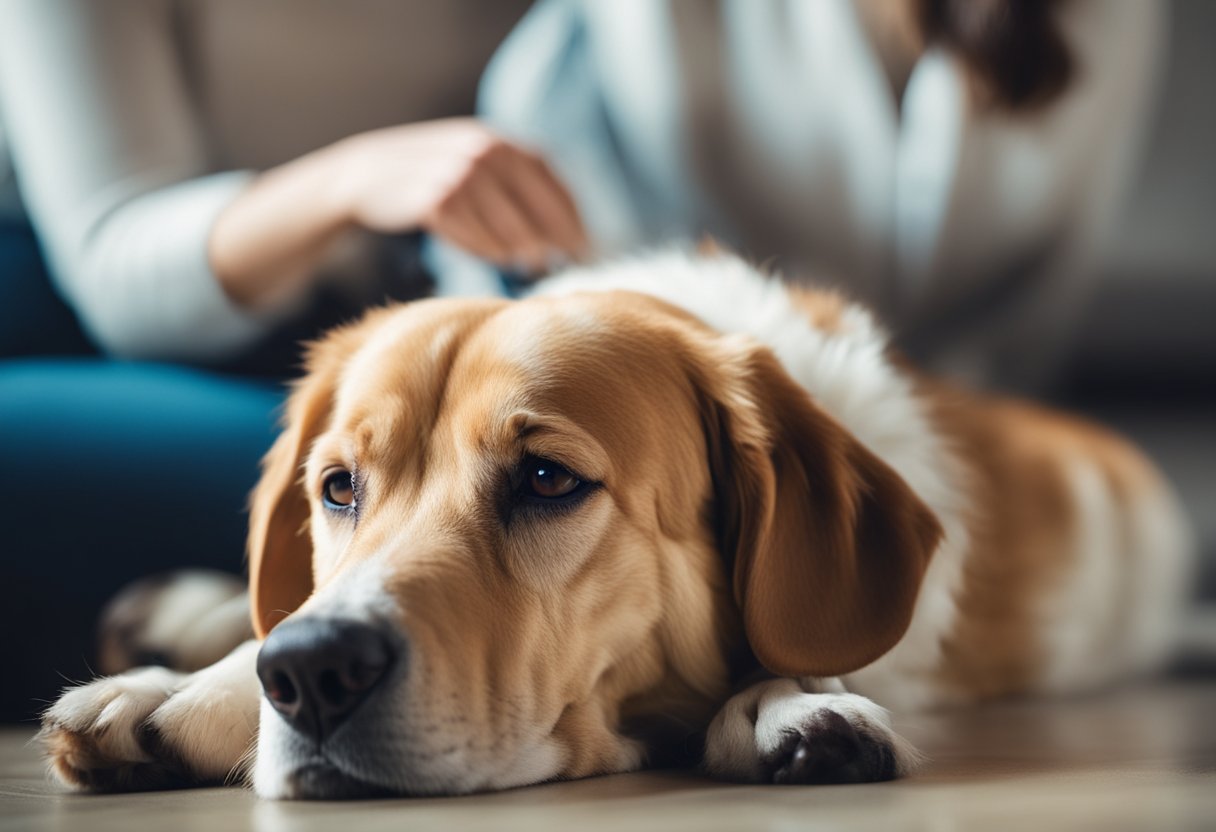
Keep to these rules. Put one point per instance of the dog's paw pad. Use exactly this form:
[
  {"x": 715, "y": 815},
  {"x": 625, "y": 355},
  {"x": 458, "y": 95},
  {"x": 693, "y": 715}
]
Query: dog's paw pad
[{"x": 829, "y": 749}]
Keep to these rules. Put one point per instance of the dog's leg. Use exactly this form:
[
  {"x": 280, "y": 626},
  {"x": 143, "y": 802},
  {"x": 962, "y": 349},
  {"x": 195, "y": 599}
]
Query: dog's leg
[
  {"x": 184, "y": 620},
  {"x": 777, "y": 732},
  {"x": 153, "y": 728}
]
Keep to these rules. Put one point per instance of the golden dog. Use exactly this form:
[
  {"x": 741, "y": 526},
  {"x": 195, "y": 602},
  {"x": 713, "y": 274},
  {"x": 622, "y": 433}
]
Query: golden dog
[{"x": 661, "y": 506}]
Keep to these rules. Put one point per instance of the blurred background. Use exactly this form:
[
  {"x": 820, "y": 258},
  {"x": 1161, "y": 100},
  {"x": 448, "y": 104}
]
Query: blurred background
[
  {"x": 104, "y": 436},
  {"x": 1144, "y": 359}
]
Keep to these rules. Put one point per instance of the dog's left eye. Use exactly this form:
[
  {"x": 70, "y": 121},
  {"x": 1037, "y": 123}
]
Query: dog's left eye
[
  {"x": 338, "y": 490},
  {"x": 546, "y": 480}
]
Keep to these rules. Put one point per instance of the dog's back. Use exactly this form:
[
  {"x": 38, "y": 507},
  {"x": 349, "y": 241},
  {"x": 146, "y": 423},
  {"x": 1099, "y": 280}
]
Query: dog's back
[{"x": 1078, "y": 558}]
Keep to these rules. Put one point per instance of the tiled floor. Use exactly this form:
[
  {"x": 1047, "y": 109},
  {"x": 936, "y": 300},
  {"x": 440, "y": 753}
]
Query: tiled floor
[{"x": 1139, "y": 759}]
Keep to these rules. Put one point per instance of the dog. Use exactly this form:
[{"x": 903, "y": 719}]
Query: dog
[{"x": 666, "y": 508}]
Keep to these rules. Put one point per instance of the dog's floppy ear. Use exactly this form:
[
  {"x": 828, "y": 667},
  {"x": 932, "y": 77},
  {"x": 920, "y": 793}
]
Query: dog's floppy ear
[
  {"x": 827, "y": 544},
  {"x": 279, "y": 546}
]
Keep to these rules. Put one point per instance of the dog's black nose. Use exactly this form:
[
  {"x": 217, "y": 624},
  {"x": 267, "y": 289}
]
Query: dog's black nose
[{"x": 316, "y": 671}]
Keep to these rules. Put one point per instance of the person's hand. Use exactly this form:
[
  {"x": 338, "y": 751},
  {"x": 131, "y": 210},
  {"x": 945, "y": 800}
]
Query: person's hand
[
  {"x": 460, "y": 181},
  {"x": 453, "y": 178}
]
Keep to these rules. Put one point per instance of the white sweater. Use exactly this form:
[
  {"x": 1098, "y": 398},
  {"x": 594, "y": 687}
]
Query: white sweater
[{"x": 771, "y": 124}]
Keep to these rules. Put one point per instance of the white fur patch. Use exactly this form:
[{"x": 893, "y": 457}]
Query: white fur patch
[
  {"x": 207, "y": 720},
  {"x": 108, "y": 711},
  {"x": 212, "y": 720}
]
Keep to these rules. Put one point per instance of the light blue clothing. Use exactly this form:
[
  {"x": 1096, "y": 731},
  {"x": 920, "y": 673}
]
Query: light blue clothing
[{"x": 773, "y": 126}]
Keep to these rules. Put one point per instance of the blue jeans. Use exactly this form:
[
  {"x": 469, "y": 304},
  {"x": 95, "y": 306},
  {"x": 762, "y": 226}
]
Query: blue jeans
[{"x": 112, "y": 470}]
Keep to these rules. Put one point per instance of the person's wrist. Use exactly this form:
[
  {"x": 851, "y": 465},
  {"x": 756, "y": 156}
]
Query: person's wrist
[{"x": 342, "y": 169}]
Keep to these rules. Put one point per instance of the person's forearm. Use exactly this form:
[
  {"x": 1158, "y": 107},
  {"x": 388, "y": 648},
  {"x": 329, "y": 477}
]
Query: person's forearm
[{"x": 276, "y": 232}]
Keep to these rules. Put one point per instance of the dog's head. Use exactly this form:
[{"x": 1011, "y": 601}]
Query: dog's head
[{"x": 495, "y": 537}]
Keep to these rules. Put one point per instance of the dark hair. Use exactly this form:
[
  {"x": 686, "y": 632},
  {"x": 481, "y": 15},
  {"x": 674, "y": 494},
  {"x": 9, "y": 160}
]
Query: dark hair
[{"x": 1013, "y": 53}]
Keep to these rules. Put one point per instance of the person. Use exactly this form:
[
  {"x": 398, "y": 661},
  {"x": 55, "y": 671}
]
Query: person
[
  {"x": 212, "y": 182},
  {"x": 192, "y": 167},
  {"x": 955, "y": 164}
]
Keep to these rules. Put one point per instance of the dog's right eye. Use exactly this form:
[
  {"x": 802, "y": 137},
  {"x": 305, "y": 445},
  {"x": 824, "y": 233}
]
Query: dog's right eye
[{"x": 338, "y": 490}]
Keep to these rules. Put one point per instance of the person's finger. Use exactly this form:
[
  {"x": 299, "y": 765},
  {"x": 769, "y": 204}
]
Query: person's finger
[
  {"x": 459, "y": 221},
  {"x": 510, "y": 223},
  {"x": 548, "y": 203}
]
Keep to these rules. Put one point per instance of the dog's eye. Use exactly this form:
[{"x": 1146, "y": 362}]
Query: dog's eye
[
  {"x": 549, "y": 481},
  {"x": 338, "y": 490}
]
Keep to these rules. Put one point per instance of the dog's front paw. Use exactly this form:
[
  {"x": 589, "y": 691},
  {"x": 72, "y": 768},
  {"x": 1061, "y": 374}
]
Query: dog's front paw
[
  {"x": 100, "y": 736},
  {"x": 776, "y": 732},
  {"x": 827, "y": 748}
]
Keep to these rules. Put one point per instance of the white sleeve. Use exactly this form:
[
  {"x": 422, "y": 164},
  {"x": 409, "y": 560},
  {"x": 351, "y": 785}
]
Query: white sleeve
[{"x": 115, "y": 175}]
